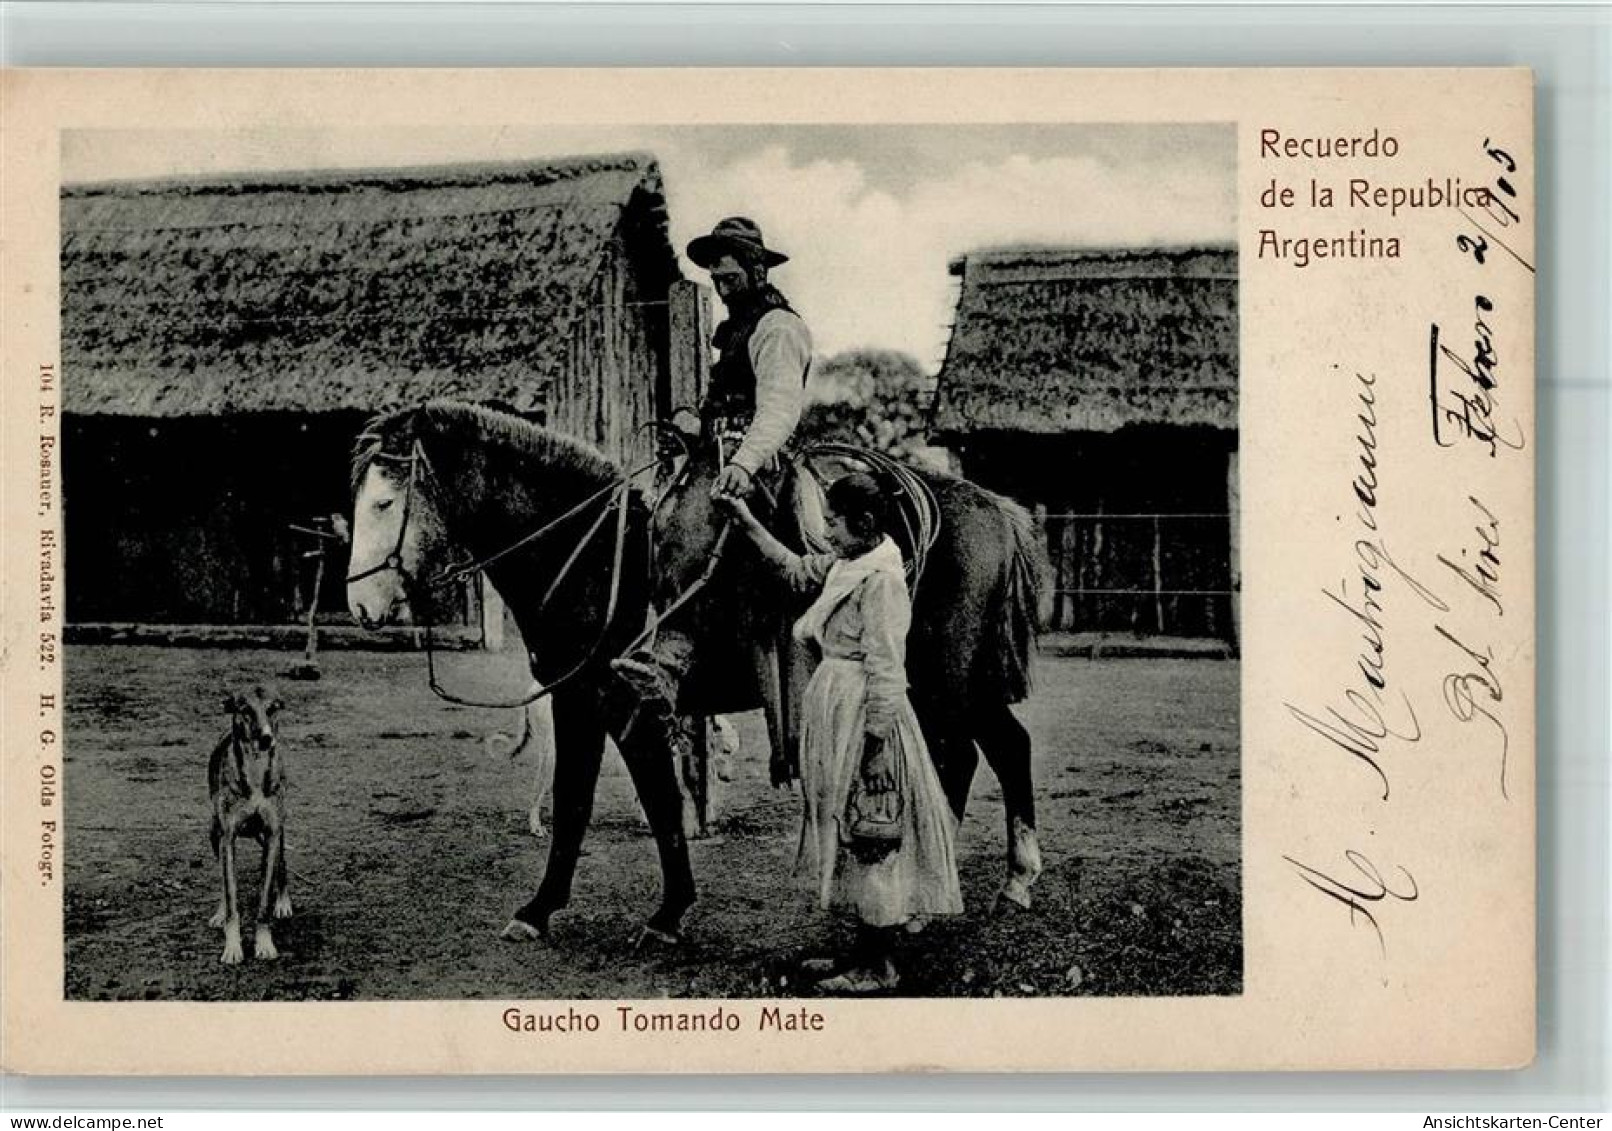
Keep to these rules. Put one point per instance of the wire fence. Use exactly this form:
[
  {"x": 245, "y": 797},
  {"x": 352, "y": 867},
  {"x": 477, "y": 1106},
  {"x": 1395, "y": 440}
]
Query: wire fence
[{"x": 1142, "y": 572}]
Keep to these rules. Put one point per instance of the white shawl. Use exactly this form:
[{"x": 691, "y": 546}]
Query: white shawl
[{"x": 844, "y": 578}]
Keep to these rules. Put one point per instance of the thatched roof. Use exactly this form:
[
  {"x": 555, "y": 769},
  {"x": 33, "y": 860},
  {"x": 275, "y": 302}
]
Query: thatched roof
[
  {"x": 1056, "y": 341},
  {"x": 354, "y": 290}
]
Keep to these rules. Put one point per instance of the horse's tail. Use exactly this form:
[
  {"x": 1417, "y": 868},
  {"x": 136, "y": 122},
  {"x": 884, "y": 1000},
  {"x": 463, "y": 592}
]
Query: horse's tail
[
  {"x": 536, "y": 727},
  {"x": 1022, "y": 584}
]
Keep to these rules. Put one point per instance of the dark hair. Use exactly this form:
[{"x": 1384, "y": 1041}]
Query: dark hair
[
  {"x": 860, "y": 501},
  {"x": 754, "y": 262}
]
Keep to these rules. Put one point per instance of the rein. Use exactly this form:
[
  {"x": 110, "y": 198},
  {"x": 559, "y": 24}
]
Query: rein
[
  {"x": 619, "y": 505},
  {"x": 616, "y": 494}
]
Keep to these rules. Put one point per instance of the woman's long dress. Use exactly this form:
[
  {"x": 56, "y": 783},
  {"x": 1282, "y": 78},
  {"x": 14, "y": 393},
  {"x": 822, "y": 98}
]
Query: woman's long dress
[{"x": 860, "y": 622}]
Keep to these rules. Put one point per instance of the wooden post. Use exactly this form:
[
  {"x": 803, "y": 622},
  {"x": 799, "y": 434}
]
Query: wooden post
[
  {"x": 313, "y": 606},
  {"x": 688, "y": 358},
  {"x": 323, "y": 531},
  {"x": 688, "y": 348},
  {"x": 1158, "y": 579},
  {"x": 1102, "y": 604}
]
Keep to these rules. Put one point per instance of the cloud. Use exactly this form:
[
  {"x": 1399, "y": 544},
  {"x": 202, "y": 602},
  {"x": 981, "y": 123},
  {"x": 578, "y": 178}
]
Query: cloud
[{"x": 869, "y": 266}]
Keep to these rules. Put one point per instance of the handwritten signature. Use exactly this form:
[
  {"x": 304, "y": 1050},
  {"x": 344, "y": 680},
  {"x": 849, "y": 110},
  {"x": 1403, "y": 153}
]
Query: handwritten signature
[
  {"x": 1357, "y": 896},
  {"x": 1360, "y": 726},
  {"x": 1376, "y": 705}
]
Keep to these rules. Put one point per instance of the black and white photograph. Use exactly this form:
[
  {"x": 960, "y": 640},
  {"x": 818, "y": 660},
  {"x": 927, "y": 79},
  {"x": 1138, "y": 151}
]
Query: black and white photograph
[
  {"x": 748, "y": 571},
  {"x": 685, "y": 562}
]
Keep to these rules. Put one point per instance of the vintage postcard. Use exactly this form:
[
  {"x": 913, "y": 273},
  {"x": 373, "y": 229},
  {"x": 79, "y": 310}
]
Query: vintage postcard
[{"x": 768, "y": 571}]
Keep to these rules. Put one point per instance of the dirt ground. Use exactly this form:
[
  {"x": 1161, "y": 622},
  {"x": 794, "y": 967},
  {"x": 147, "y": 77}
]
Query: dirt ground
[{"x": 409, "y": 847}]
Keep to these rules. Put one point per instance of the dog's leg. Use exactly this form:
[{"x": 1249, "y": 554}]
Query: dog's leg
[
  {"x": 217, "y": 835},
  {"x": 232, "y": 910},
  {"x": 282, "y": 881},
  {"x": 263, "y": 940}
]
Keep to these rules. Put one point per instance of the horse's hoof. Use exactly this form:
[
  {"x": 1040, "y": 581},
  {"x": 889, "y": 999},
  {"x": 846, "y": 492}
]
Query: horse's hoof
[
  {"x": 1012, "y": 898},
  {"x": 520, "y": 931},
  {"x": 652, "y": 937},
  {"x": 692, "y": 828}
]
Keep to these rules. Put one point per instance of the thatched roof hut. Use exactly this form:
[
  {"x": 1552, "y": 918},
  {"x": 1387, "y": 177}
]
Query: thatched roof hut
[
  {"x": 223, "y": 340},
  {"x": 318, "y": 292},
  {"x": 1060, "y": 341},
  {"x": 1099, "y": 387}
]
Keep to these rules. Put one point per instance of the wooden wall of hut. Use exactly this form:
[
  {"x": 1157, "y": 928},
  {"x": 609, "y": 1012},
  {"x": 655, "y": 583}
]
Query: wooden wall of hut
[
  {"x": 188, "y": 520},
  {"x": 1138, "y": 524},
  {"x": 616, "y": 366}
]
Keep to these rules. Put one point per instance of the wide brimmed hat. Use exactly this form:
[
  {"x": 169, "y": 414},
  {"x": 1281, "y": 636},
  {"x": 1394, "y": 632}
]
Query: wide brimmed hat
[{"x": 736, "y": 233}]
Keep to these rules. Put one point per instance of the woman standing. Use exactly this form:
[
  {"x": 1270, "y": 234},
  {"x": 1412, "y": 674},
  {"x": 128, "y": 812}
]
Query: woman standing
[{"x": 877, "y": 825}]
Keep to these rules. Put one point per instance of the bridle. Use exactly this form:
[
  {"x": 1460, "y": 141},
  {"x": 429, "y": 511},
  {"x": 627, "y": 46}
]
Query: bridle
[
  {"x": 394, "y": 561},
  {"x": 616, "y": 496}
]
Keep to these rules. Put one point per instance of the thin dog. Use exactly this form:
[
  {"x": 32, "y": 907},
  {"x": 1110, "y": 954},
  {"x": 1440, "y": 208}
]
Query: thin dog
[{"x": 246, "y": 781}]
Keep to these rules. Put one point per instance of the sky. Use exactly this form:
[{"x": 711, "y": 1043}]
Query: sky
[{"x": 870, "y": 216}]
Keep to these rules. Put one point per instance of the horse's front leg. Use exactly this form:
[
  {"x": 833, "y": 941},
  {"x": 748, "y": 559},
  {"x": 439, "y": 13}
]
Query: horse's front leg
[
  {"x": 579, "y": 733},
  {"x": 653, "y": 744}
]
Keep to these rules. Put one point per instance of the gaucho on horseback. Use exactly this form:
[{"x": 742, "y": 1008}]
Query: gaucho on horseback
[
  {"x": 750, "y": 411},
  {"x": 445, "y": 479}
]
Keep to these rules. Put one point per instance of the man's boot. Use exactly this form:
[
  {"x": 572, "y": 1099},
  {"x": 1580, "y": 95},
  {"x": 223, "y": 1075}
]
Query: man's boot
[{"x": 655, "y": 674}]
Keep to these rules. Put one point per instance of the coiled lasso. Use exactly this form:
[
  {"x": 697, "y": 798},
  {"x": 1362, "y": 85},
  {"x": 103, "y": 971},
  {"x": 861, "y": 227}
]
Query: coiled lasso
[{"x": 913, "y": 501}]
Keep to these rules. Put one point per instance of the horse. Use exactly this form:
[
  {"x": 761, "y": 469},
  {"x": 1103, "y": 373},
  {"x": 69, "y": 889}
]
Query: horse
[{"x": 577, "y": 553}]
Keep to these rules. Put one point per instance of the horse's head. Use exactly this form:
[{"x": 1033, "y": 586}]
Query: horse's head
[
  {"x": 398, "y": 541},
  {"x": 449, "y": 487}
]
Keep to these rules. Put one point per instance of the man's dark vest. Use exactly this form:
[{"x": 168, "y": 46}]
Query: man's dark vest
[{"x": 732, "y": 393}]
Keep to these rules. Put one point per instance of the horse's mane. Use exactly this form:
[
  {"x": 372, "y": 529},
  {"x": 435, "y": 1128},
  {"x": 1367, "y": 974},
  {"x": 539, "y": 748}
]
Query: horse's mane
[{"x": 391, "y": 435}]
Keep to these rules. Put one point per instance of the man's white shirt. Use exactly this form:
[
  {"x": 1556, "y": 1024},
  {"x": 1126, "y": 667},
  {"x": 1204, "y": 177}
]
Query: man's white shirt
[{"x": 780, "y": 351}]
